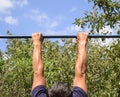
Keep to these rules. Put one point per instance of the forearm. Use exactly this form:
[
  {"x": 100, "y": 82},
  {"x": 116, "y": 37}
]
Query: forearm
[
  {"x": 81, "y": 63},
  {"x": 38, "y": 67},
  {"x": 80, "y": 68},
  {"x": 37, "y": 60}
]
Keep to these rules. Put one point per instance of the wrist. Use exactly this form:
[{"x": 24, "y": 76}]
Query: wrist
[
  {"x": 83, "y": 44},
  {"x": 37, "y": 43}
]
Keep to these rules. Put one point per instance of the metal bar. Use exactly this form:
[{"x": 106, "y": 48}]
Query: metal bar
[{"x": 64, "y": 36}]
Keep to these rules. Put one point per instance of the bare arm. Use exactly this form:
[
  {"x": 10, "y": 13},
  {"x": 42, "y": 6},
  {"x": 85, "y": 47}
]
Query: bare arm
[
  {"x": 38, "y": 66},
  {"x": 81, "y": 63}
]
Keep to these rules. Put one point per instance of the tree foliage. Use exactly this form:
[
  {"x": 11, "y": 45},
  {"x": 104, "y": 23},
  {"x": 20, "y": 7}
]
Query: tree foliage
[
  {"x": 103, "y": 75},
  {"x": 17, "y": 75},
  {"x": 104, "y": 71},
  {"x": 103, "y": 13}
]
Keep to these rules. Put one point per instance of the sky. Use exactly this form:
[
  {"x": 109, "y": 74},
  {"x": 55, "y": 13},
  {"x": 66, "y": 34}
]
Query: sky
[{"x": 50, "y": 17}]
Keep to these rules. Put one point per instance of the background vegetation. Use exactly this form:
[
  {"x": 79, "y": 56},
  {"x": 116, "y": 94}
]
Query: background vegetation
[
  {"x": 103, "y": 75},
  {"x": 16, "y": 67}
]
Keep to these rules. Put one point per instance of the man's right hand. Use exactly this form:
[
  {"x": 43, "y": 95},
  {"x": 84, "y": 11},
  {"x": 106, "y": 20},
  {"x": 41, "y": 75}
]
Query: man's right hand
[{"x": 82, "y": 38}]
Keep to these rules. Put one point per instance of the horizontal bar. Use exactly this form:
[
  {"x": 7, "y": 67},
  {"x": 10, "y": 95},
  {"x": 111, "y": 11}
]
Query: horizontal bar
[{"x": 65, "y": 36}]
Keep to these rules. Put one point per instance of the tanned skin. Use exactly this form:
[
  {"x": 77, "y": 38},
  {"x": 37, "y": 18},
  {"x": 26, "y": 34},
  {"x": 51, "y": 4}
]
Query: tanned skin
[
  {"x": 81, "y": 63},
  {"x": 38, "y": 66}
]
